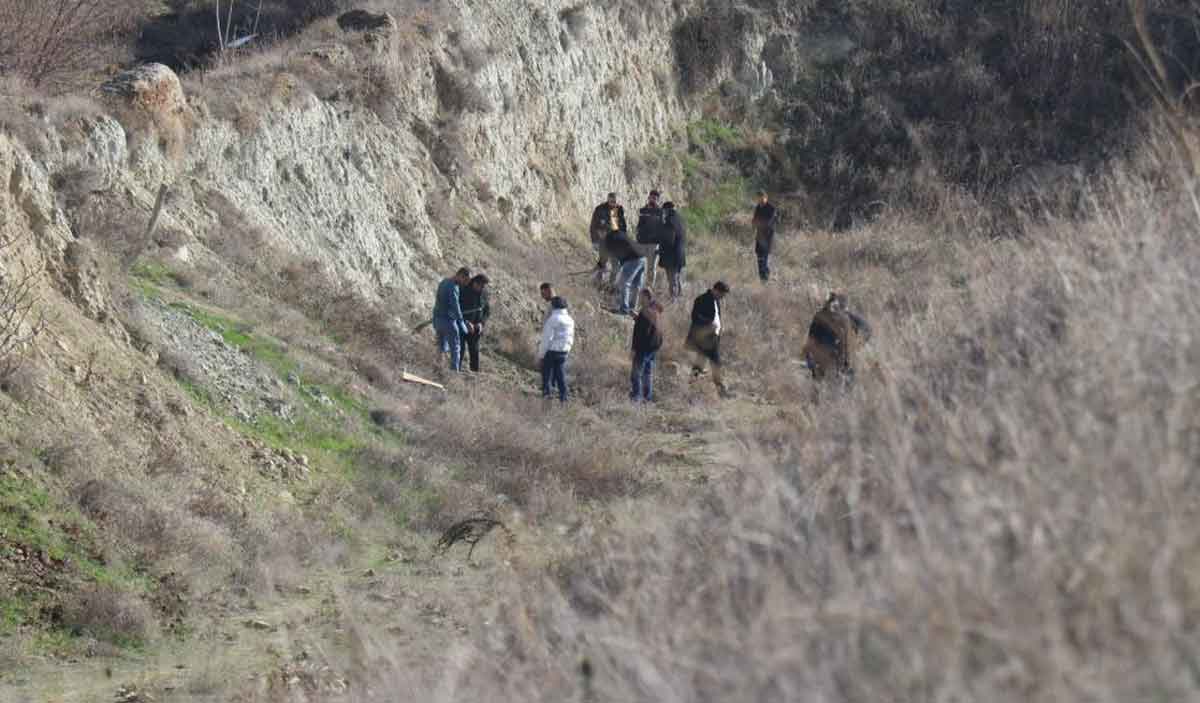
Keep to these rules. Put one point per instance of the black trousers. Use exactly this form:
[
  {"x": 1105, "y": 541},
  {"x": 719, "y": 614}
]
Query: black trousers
[
  {"x": 763, "y": 253},
  {"x": 472, "y": 341}
]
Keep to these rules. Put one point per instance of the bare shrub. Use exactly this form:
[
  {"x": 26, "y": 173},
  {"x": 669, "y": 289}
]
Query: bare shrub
[
  {"x": 109, "y": 613},
  {"x": 115, "y": 227},
  {"x": 457, "y": 92},
  {"x": 445, "y": 142},
  {"x": 704, "y": 42},
  {"x": 21, "y": 322},
  {"x": 56, "y": 44}
]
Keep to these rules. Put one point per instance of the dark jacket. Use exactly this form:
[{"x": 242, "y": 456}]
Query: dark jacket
[
  {"x": 618, "y": 246},
  {"x": 470, "y": 300},
  {"x": 704, "y": 310},
  {"x": 602, "y": 221},
  {"x": 447, "y": 302},
  {"x": 650, "y": 225},
  {"x": 766, "y": 216},
  {"x": 646, "y": 335},
  {"x": 673, "y": 256}
]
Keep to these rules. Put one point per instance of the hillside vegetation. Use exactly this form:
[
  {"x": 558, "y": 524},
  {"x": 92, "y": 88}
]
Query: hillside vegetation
[{"x": 215, "y": 484}]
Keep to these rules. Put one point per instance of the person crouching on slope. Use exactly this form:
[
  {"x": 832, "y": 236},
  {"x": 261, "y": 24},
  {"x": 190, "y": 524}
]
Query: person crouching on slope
[
  {"x": 558, "y": 336},
  {"x": 704, "y": 336},
  {"x": 647, "y": 340},
  {"x": 448, "y": 317}
]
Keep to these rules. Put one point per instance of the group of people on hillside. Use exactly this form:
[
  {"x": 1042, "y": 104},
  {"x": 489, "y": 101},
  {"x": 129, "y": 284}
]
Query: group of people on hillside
[
  {"x": 660, "y": 239},
  {"x": 704, "y": 335},
  {"x": 462, "y": 309}
]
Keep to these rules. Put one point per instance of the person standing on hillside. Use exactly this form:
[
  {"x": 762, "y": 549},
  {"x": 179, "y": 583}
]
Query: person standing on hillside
[
  {"x": 673, "y": 256},
  {"x": 649, "y": 234},
  {"x": 476, "y": 310},
  {"x": 558, "y": 336},
  {"x": 633, "y": 269},
  {"x": 704, "y": 336},
  {"x": 609, "y": 216},
  {"x": 448, "y": 317},
  {"x": 647, "y": 340},
  {"x": 766, "y": 216}
]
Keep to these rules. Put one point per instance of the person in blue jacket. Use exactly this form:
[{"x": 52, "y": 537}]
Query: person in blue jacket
[{"x": 448, "y": 317}]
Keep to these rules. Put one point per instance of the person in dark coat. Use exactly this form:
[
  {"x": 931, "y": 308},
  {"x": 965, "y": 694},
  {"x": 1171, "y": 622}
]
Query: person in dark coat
[
  {"x": 649, "y": 233},
  {"x": 704, "y": 336},
  {"x": 476, "y": 310},
  {"x": 647, "y": 340},
  {"x": 766, "y": 217},
  {"x": 633, "y": 269},
  {"x": 672, "y": 256},
  {"x": 609, "y": 216}
]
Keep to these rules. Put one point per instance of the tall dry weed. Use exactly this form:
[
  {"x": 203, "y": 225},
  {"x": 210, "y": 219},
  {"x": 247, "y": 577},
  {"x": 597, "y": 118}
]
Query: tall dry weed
[{"x": 1006, "y": 511}]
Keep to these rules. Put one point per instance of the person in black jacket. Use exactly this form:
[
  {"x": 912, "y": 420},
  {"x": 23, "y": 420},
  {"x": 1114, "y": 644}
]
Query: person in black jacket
[
  {"x": 649, "y": 233},
  {"x": 647, "y": 340},
  {"x": 633, "y": 269},
  {"x": 765, "y": 219},
  {"x": 704, "y": 336},
  {"x": 672, "y": 256},
  {"x": 609, "y": 216},
  {"x": 476, "y": 311}
]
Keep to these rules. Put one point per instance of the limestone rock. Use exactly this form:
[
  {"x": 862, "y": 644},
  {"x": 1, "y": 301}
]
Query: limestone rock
[{"x": 152, "y": 88}]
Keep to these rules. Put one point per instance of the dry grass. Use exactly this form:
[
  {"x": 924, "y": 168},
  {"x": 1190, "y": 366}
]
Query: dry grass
[
  {"x": 1001, "y": 509},
  {"x": 1012, "y": 519}
]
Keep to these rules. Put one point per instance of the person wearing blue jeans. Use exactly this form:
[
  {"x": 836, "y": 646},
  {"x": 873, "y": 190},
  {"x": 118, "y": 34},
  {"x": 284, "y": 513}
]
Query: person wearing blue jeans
[
  {"x": 558, "y": 336},
  {"x": 448, "y": 317},
  {"x": 647, "y": 340},
  {"x": 632, "y": 273},
  {"x": 554, "y": 374}
]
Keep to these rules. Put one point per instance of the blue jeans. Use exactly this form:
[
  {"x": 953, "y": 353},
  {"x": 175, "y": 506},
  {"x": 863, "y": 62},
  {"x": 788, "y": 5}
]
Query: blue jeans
[
  {"x": 630, "y": 283},
  {"x": 449, "y": 340},
  {"x": 554, "y": 372},
  {"x": 641, "y": 377}
]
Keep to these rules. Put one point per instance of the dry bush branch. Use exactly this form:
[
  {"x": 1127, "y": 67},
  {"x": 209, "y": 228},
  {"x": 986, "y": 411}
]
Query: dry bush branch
[
  {"x": 53, "y": 43},
  {"x": 21, "y": 323}
]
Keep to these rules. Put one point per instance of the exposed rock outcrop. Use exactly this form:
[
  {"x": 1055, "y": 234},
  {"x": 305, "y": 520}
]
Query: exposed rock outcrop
[
  {"x": 551, "y": 100},
  {"x": 152, "y": 88}
]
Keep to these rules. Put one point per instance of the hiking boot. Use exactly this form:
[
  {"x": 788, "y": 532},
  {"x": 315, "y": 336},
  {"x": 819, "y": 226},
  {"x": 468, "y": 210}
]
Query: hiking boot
[
  {"x": 724, "y": 392},
  {"x": 698, "y": 372}
]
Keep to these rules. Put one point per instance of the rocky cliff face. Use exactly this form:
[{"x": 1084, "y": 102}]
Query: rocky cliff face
[{"x": 524, "y": 111}]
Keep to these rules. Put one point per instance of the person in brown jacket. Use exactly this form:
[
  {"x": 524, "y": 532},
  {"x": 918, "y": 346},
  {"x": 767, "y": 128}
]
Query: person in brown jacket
[{"x": 834, "y": 337}]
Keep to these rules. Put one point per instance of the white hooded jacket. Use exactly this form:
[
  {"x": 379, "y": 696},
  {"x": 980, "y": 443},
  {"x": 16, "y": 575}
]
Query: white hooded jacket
[{"x": 558, "y": 333}]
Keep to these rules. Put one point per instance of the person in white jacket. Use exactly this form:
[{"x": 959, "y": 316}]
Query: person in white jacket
[{"x": 558, "y": 335}]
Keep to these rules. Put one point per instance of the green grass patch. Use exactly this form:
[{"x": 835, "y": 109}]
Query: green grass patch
[
  {"x": 715, "y": 204},
  {"x": 240, "y": 335},
  {"x": 32, "y": 519},
  {"x": 709, "y": 131}
]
